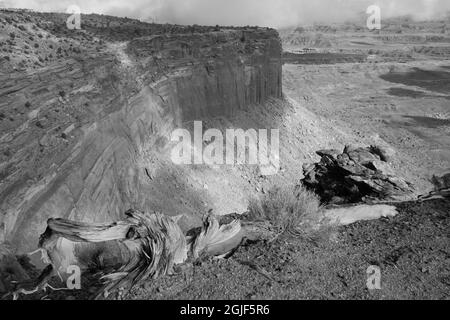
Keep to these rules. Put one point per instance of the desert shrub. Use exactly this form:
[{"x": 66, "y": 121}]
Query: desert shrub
[{"x": 286, "y": 206}]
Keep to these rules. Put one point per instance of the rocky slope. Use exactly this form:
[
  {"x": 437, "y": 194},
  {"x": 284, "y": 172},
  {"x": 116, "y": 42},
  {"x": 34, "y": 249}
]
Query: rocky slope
[{"x": 81, "y": 132}]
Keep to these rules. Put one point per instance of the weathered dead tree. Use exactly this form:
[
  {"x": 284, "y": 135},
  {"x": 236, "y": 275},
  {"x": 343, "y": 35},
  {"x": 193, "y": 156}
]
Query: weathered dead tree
[{"x": 154, "y": 243}]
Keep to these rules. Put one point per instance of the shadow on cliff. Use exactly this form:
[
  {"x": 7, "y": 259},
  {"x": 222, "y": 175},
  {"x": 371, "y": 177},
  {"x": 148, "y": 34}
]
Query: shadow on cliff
[{"x": 194, "y": 190}]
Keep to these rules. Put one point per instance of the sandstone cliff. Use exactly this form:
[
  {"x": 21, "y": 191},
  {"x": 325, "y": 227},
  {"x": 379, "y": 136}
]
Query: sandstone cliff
[{"x": 76, "y": 133}]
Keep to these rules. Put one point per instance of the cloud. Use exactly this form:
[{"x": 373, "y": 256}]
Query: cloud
[{"x": 273, "y": 13}]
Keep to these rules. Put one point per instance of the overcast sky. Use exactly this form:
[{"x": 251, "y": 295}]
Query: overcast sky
[{"x": 273, "y": 13}]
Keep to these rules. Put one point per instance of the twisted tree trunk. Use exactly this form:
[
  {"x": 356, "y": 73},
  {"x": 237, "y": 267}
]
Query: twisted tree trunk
[{"x": 153, "y": 244}]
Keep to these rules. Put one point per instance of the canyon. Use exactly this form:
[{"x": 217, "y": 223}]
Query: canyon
[
  {"x": 90, "y": 126},
  {"x": 87, "y": 116}
]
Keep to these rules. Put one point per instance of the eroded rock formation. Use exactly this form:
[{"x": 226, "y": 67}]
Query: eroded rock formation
[
  {"x": 355, "y": 175},
  {"x": 78, "y": 129}
]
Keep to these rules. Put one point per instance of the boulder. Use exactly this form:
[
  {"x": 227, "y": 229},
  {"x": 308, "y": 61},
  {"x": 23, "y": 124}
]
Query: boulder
[
  {"x": 332, "y": 153},
  {"x": 441, "y": 183},
  {"x": 358, "y": 174},
  {"x": 441, "y": 188},
  {"x": 386, "y": 154}
]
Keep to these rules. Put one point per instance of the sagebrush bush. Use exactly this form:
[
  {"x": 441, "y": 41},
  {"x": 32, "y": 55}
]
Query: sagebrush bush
[{"x": 286, "y": 206}]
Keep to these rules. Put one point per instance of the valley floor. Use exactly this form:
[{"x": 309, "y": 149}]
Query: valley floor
[{"x": 403, "y": 106}]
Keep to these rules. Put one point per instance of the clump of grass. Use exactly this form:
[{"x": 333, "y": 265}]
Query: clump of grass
[{"x": 286, "y": 207}]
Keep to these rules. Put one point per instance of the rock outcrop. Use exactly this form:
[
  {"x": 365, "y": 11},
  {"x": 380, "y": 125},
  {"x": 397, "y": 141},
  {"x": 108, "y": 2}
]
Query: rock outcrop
[
  {"x": 355, "y": 175},
  {"x": 441, "y": 188},
  {"x": 76, "y": 132}
]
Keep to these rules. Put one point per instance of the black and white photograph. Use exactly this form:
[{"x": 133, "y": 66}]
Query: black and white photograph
[{"x": 181, "y": 152}]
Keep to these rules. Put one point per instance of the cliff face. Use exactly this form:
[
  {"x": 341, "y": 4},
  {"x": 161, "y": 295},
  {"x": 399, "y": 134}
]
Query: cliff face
[
  {"x": 215, "y": 73},
  {"x": 76, "y": 134}
]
